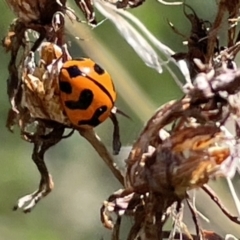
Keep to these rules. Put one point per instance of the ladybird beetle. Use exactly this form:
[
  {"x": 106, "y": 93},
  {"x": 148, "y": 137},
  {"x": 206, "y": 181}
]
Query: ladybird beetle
[{"x": 87, "y": 92}]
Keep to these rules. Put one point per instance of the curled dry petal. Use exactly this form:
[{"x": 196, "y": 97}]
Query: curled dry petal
[
  {"x": 41, "y": 86},
  {"x": 131, "y": 35}
]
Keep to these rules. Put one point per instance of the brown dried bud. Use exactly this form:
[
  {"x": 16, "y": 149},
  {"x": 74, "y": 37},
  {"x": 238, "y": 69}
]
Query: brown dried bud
[
  {"x": 40, "y": 11},
  {"x": 185, "y": 160},
  {"x": 43, "y": 11},
  {"x": 40, "y": 85}
]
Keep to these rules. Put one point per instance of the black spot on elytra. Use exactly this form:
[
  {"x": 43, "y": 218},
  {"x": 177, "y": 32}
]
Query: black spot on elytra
[
  {"x": 74, "y": 71},
  {"x": 94, "y": 121},
  {"x": 98, "y": 84},
  {"x": 84, "y": 101},
  {"x": 65, "y": 87},
  {"x": 98, "y": 69}
]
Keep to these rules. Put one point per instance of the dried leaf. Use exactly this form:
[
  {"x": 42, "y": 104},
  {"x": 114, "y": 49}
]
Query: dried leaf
[{"x": 131, "y": 35}]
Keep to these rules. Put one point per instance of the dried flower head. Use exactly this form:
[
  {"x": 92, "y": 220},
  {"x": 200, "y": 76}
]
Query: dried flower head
[
  {"x": 165, "y": 164},
  {"x": 45, "y": 12},
  {"x": 40, "y": 91}
]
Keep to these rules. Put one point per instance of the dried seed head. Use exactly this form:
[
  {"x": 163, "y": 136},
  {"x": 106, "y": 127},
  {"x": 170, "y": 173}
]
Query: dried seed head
[
  {"x": 45, "y": 12},
  {"x": 186, "y": 160},
  {"x": 40, "y": 87},
  {"x": 41, "y": 11}
]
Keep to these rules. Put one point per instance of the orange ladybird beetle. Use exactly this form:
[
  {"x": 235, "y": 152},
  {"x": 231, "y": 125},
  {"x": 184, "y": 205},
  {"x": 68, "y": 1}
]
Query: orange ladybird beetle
[{"x": 87, "y": 92}]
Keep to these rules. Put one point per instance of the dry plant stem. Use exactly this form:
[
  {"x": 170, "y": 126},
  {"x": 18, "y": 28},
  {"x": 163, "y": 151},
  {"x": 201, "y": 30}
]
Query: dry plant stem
[
  {"x": 214, "y": 197},
  {"x": 95, "y": 141},
  {"x": 148, "y": 220},
  {"x": 234, "y": 195},
  {"x": 138, "y": 223},
  {"x": 170, "y": 3},
  {"x": 17, "y": 42},
  {"x": 116, "y": 229},
  {"x": 208, "y": 235},
  {"x": 195, "y": 219},
  {"x": 150, "y": 230},
  {"x": 214, "y": 30},
  {"x": 41, "y": 145},
  {"x": 155, "y": 209},
  {"x": 233, "y": 9}
]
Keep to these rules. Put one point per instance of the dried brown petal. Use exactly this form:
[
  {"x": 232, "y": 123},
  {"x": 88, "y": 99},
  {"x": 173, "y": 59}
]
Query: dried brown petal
[{"x": 40, "y": 89}]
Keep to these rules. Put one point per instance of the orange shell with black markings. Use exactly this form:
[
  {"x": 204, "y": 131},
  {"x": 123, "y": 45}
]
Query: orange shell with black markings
[{"x": 87, "y": 92}]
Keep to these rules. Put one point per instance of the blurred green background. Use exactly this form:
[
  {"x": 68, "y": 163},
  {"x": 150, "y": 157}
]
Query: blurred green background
[{"x": 82, "y": 181}]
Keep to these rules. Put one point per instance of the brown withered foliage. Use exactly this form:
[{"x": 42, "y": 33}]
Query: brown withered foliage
[
  {"x": 182, "y": 146},
  {"x": 203, "y": 42},
  {"x": 165, "y": 164},
  {"x": 43, "y": 13},
  {"x": 47, "y": 18},
  {"x": 33, "y": 89},
  {"x": 39, "y": 114},
  {"x": 197, "y": 41},
  {"x": 185, "y": 143}
]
